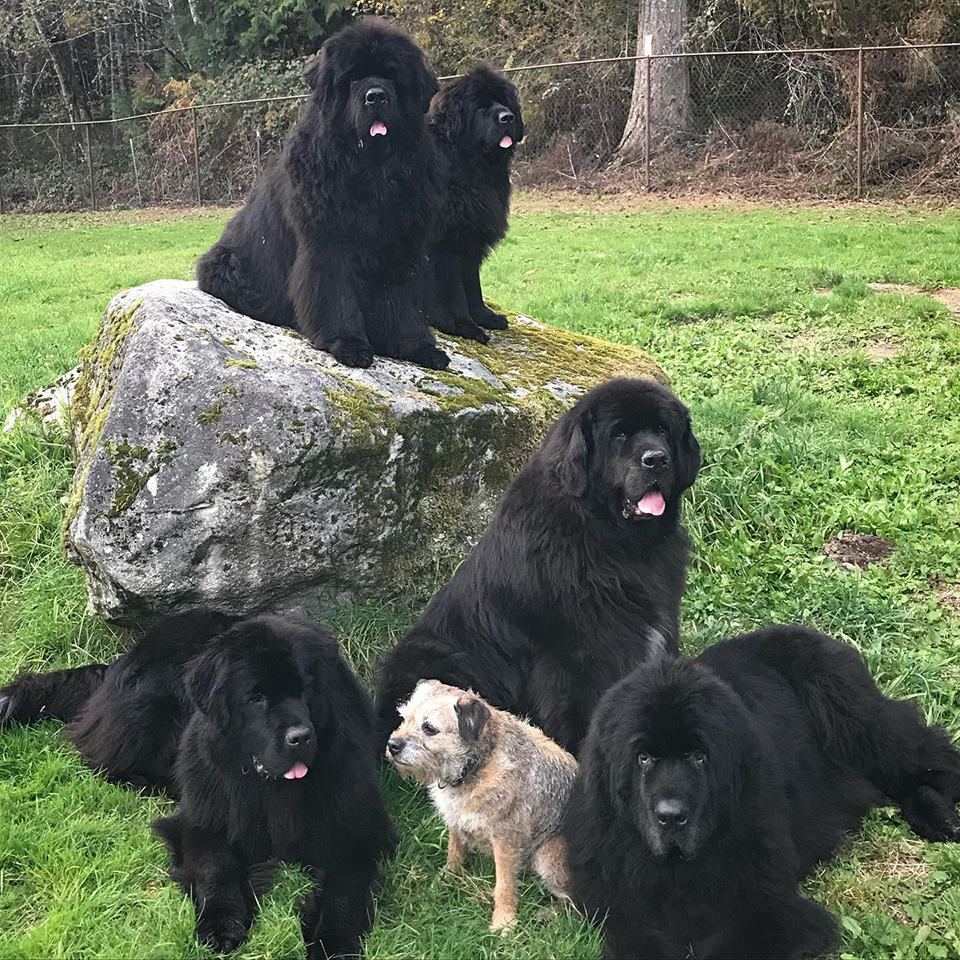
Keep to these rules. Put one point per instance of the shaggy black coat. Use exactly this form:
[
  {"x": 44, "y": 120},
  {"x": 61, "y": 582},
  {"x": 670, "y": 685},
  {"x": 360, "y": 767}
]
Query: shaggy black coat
[
  {"x": 476, "y": 123},
  {"x": 709, "y": 788},
  {"x": 578, "y": 576},
  {"x": 333, "y": 238},
  {"x": 266, "y": 736}
]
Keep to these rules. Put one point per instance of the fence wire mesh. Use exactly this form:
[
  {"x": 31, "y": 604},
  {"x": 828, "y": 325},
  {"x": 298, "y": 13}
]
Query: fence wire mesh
[{"x": 817, "y": 124}]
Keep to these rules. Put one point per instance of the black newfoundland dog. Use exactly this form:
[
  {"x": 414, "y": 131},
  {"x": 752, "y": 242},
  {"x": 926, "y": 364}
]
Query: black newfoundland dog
[
  {"x": 333, "y": 238},
  {"x": 578, "y": 576},
  {"x": 476, "y": 123},
  {"x": 266, "y": 736},
  {"x": 709, "y": 788}
]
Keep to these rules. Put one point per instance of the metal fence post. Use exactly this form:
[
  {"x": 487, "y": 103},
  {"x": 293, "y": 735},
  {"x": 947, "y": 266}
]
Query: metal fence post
[
  {"x": 196, "y": 156},
  {"x": 646, "y": 125},
  {"x": 860, "y": 123},
  {"x": 136, "y": 173},
  {"x": 2, "y": 208},
  {"x": 93, "y": 189}
]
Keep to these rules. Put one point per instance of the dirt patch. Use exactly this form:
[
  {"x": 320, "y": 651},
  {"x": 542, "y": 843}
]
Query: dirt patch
[
  {"x": 857, "y": 550},
  {"x": 948, "y": 595},
  {"x": 805, "y": 343},
  {"x": 900, "y": 862},
  {"x": 948, "y": 296},
  {"x": 882, "y": 350},
  {"x": 906, "y": 288}
]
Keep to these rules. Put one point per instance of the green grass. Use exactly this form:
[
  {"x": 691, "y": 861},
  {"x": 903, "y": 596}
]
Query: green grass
[{"x": 804, "y": 436}]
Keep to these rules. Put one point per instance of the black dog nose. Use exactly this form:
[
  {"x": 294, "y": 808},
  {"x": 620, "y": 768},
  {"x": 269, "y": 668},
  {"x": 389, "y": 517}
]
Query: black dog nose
[
  {"x": 395, "y": 746},
  {"x": 505, "y": 116},
  {"x": 671, "y": 813},
  {"x": 655, "y": 458},
  {"x": 298, "y": 736},
  {"x": 375, "y": 95}
]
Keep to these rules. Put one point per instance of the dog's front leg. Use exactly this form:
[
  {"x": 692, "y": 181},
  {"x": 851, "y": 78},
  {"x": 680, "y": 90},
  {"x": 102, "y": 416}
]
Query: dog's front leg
[
  {"x": 216, "y": 877},
  {"x": 338, "y": 911},
  {"x": 398, "y": 325},
  {"x": 505, "y": 890},
  {"x": 324, "y": 291},
  {"x": 456, "y": 851}
]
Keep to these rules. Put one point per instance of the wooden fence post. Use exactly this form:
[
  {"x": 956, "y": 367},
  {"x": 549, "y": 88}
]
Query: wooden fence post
[
  {"x": 93, "y": 189},
  {"x": 196, "y": 157},
  {"x": 860, "y": 123},
  {"x": 646, "y": 125}
]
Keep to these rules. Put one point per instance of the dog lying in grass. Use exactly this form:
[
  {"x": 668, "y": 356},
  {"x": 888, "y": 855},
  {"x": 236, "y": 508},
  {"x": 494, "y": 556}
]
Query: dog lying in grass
[
  {"x": 709, "y": 788},
  {"x": 499, "y": 783},
  {"x": 266, "y": 736}
]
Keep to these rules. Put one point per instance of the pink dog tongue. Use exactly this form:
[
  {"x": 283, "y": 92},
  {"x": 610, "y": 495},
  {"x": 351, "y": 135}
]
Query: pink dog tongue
[
  {"x": 507, "y": 141},
  {"x": 297, "y": 771},
  {"x": 652, "y": 503},
  {"x": 379, "y": 129}
]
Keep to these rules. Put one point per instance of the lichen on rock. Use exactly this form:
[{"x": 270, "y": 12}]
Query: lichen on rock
[{"x": 225, "y": 463}]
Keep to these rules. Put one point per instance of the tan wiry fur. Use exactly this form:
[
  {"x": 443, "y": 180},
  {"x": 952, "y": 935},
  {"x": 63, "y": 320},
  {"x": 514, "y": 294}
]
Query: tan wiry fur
[{"x": 515, "y": 786}]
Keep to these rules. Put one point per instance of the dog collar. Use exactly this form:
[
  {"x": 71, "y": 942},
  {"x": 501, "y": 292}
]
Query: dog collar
[{"x": 469, "y": 769}]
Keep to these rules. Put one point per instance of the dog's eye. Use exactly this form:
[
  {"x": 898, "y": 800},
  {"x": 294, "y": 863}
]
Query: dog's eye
[
  {"x": 619, "y": 433},
  {"x": 645, "y": 759},
  {"x": 429, "y": 729},
  {"x": 698, "y": 757},
  {"x": 661, "y": 429},
  {"x": 259, "y": 699}
]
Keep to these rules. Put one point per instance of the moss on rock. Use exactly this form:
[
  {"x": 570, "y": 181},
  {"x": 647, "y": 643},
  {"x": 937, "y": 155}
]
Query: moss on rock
[{"x": 212, "y": 414}]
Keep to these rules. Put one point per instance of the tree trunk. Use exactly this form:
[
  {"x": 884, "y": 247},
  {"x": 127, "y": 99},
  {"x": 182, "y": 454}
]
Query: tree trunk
[
  {"x": 63, "y": 73},
  {"x": 666, "y": 22}
]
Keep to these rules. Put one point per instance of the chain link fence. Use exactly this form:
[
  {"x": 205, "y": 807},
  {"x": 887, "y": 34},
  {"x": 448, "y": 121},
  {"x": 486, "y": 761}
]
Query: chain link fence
[{"x": 857, "y": 122}]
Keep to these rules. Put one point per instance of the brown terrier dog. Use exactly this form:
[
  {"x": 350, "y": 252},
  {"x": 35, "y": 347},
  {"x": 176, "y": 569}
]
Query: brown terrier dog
[{"x": 499, "y": 783}]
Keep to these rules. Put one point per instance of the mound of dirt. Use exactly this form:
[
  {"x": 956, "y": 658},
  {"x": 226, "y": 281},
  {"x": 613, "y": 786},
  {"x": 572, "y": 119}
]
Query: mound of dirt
[{"x": 857, "y": 550}]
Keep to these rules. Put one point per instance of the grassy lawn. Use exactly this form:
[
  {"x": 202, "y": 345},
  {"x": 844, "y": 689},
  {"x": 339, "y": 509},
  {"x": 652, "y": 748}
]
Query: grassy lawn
[{"x": 821, "y": 407}]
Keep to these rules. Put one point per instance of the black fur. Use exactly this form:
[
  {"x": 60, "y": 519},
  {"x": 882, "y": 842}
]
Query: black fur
[
  {"x": 216, "y": 714},
  {"x": 709, "y": 788},
  {"x": 333, "y": 238},
  {"x": 469, "y": 119},
  {"x": 564, "y": 594}
]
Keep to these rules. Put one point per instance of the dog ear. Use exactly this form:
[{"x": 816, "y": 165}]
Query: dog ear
[
  {"x": 320, "y": 74},
  {"x": 572, "y": 467},
  {"x": 472, "y": 716},
  {"x": 513, "y": 102},
  {"x": 688, "y": 456},
  {"x": 205, "y": 681},
  {"x": 446, "y": 115},
  {"x": 426, "y": 87}
]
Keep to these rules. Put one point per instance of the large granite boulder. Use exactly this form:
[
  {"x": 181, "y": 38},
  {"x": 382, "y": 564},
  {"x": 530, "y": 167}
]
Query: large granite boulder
[{"x": 226, "y": 463}]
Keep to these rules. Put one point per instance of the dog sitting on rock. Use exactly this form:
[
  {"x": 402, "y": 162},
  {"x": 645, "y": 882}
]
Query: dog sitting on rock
[{"x": 500, "y": 784}]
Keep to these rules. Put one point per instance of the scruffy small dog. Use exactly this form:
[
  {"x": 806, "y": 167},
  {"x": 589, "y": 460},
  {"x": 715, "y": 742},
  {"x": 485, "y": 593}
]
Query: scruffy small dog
[{"x": 499, "y": 783}]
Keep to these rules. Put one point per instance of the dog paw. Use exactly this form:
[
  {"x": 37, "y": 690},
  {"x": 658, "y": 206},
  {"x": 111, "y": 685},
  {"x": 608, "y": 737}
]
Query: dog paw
[
  {"x": 352, "y": 353},
  {"x": 503, "y": 922},
  {"x": 221, "y": 934},
  {"x": 431, "y": 357},
  {"x": 945, "y": 831},
  {"x": 491, "y": 320},
  {"x": 473, "y": 332},
  {"x": 932, "y": 816},
  {"x": 341, "y": 945}
]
